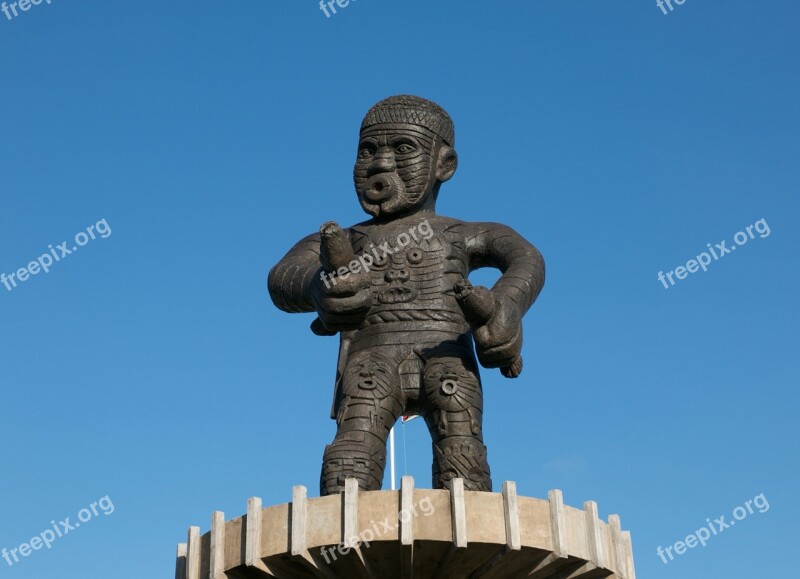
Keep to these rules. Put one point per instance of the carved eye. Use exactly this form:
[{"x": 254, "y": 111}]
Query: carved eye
[
  {"x": 414, "y": 256},
  {"x": 380, "y": 260},
  {"x": 404, "y": 149},
  {"x": 365, "y": 153}
]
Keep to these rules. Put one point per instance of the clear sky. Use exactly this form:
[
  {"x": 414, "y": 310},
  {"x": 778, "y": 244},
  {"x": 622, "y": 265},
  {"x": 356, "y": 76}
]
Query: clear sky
[{"x": 149, "y": 366}]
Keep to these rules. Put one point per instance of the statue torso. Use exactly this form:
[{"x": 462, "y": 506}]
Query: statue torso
[{"x": 412, "y": 286}]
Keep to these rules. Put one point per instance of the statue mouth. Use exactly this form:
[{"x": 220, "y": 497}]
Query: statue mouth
[
  {"x": 381, "y": 187},
  {"x": 397, "y": 295}
]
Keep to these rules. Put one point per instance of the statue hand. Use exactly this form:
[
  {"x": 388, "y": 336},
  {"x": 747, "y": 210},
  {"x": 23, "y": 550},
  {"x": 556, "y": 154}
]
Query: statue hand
[
  {"x": 342, "y": 304},
  {"x": 498, "y": 342},
  {"x": 342, "y": 301},
  {"x": 496, "y": 326}
]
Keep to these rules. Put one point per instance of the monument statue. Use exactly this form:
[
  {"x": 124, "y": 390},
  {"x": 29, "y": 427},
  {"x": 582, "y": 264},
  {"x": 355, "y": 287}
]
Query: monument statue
[
  {"x": 412, "y": 332},
  {"x": 395, "y": 289}
]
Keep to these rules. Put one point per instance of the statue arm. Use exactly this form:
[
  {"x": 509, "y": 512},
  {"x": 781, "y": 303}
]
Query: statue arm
[
  {"x": 289, "y": 282},
  {"x": 521, "y": 264}
]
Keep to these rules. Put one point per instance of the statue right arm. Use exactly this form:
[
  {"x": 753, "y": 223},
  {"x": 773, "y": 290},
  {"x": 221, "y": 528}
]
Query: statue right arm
[{"x": 289, "y": 281}]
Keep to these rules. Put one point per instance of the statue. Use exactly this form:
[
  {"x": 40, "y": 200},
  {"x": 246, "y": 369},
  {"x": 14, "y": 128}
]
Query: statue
[{"x": 395, "y": 289}]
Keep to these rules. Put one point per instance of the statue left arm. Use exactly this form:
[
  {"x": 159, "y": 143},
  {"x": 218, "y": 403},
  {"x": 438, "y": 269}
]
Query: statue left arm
[
  {"x": 522, "y": 266},
  {"x": 498, "y": 340}
]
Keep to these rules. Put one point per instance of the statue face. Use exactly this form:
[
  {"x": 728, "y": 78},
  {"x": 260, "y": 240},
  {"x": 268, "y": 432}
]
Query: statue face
[{"x": 395, "y": 169}]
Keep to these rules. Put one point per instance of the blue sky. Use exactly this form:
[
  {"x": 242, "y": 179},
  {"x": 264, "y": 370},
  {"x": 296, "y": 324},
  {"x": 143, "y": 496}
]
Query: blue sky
[{"x": 151, "y": 367}]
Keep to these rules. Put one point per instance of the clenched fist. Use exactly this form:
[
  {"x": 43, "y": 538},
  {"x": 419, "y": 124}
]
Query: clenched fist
[
  {"x": 496, "y": 327},
  {"x": 341, "y": 293}
]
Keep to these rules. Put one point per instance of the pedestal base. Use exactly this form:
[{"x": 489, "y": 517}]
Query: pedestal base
[{"x": 410, "y": 533}]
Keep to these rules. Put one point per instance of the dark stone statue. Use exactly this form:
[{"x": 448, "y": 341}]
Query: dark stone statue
[{"x": 395, "y": 289}]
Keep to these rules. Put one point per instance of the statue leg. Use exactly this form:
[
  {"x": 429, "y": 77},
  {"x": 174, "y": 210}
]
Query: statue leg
[
  {"x": 371, "y": 404},
  {"x": 453, "y": 411}
]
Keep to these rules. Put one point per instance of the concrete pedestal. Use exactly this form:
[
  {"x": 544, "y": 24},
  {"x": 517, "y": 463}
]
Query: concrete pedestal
[{"x": 410, "y": 533}]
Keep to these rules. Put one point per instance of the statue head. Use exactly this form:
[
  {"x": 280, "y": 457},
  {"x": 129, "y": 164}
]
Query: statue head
[{"x": 405, "y": 153}]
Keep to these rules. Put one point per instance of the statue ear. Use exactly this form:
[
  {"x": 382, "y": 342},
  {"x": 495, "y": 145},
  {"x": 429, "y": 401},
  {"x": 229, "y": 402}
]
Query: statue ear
[{"x": 446, "y": 164}]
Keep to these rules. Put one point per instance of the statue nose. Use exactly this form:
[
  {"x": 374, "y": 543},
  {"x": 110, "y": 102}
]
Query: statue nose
[{"x": 383, "y": 163}]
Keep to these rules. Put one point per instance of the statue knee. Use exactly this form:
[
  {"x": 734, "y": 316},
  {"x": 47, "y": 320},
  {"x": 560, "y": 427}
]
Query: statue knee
[
  {"x": 371, "y": 397},
  {"x": 454, "y": 398},
  {"x": 464, "y": 458},
  {"x": 358, "y": 455}
]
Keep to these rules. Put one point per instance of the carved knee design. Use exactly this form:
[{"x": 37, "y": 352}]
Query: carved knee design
[
  {"x": 461, "y": 457},
  {"x": 357, "y": 455},
  {"x": 454, "y": 398},
  {"x": 371, "y": 394}
]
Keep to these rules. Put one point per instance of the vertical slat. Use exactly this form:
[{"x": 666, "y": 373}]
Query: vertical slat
[
  {"x": 491, "y": 565},
  {"x": 593, "y": 534},
  {"x": 253, "y": 532},
  {"x": 617, "y": 544},
  {"x": 193, "y": 554},
  {"x": 406, "y": 527},
  {"x": 631, "y": 570},
  {"x": 511, "y": 511},
  {"x": 180, "y": 562},
  {"x": 352, "y": 535},
  {"x": 350, "y": 512},
  {"x": 299, "y": 517},
  {"x": 558, "y": 522},
  {"x": 458, "y": 513},
  {"x": 299, "y": 536},
  {"x": 407, "y": 506},
  {"x": 459, "y": 508},
  {"x": 216, "y": 568}
]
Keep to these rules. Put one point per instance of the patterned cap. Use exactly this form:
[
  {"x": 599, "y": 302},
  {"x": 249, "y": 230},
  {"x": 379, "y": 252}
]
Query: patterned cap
[{"x": 412, "y": 110}]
